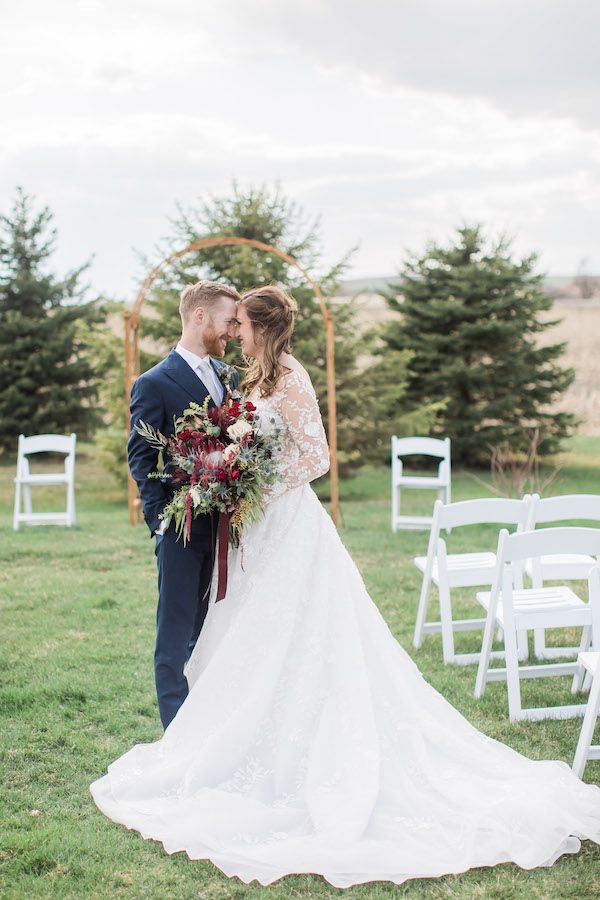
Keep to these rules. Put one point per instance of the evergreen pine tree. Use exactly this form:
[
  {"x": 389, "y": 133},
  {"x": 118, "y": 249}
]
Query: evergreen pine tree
[
  {"x": 472, "y": 317},
  {"x": 370, "y": 388},
  {"x": 369, "y": 407},
  {"x": 46, "y": 380}
]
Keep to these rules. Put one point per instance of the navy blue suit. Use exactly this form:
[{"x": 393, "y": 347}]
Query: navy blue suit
[{"x": 184, "y": 573}]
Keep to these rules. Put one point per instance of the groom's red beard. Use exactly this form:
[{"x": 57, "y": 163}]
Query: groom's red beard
[{"x": 214, "y": 343}]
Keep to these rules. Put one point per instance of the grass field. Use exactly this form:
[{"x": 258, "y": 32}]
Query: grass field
[{"x": 76, "y": 690}]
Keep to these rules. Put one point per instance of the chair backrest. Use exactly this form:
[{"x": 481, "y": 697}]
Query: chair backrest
[
  {"x": 421, "y": 446},
  {"x": 46, "y": 443},
  {"x": 547, "y": 541},
  {"x": 487, "y": 511},
  {"x": 567, "y": 507}
]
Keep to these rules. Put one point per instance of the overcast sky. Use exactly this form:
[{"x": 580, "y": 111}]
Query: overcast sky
[{"x": 393, "y": 121}]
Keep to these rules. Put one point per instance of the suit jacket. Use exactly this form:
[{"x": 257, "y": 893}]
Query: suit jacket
[{"x": 158, "y": 397}]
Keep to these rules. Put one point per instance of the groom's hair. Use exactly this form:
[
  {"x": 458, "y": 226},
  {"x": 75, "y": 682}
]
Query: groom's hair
[{"x": 203, "y": 293}]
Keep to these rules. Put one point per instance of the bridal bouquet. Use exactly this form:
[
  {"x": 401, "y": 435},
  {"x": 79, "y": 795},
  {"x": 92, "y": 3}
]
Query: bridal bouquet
[{"x": 216, "y": 461}]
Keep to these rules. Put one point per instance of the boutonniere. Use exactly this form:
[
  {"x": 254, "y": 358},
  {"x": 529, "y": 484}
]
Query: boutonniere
[{"x": 226, "y": 374}]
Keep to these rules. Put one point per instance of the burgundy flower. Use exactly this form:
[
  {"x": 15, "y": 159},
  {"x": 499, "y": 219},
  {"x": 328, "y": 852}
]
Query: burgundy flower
[{"x": 178, "y": 476}]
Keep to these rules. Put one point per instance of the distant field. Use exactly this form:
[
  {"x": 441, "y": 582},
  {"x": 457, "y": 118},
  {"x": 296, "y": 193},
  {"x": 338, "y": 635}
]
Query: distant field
[{"x": 579, "y": 329}]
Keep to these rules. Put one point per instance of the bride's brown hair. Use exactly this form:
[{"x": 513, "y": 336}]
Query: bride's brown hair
[{"x": 271, "y": 312}]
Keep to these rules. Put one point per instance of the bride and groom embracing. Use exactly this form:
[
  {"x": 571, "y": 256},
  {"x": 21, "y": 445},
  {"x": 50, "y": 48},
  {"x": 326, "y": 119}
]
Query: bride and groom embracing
[{"x": 300, "y": 737}]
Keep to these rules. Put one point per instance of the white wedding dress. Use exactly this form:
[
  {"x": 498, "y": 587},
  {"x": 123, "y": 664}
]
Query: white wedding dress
[{"x": 310, "y": 742}]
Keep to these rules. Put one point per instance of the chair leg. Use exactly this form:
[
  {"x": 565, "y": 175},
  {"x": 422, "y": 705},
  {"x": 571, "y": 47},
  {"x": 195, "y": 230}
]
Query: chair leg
[
  {"x": 444, "y": 496},
  {"x": 539, "y": 643},
  {"x": 446, "y": 620},
  {"x": 70, "y": 504},
  {"x": 522, "y": 646},
  {"x": 512, "y": 674},
  {"x": 422, "y": 610},
  {"x": 17, "y": 509},
  {"x": 579, "y": 677},
  {"x": 587, "y": 729},
  {"x": 484, "y": 656}
]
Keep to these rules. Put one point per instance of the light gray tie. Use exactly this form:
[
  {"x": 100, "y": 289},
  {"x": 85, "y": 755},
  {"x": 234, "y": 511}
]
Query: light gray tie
[{"x": 207, "y": 373}]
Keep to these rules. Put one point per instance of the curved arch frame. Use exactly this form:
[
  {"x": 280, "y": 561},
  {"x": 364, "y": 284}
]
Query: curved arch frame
[{"x": 132, "y": 353}]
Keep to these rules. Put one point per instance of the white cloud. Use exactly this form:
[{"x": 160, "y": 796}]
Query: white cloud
[
  {"x": 538, "y": 56},
  {"x": 395, "y": 123}
]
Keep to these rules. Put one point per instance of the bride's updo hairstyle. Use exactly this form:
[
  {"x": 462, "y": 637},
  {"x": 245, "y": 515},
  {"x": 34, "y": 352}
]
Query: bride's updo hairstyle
[{"x": 271, "y": 312}]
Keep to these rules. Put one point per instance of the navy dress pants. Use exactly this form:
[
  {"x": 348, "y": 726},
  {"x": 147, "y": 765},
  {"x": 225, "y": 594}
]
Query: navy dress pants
[{"x": 184, "y": 575}]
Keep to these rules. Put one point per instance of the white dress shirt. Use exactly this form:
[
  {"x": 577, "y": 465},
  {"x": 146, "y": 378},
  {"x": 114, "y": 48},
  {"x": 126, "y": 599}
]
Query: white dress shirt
[{"x": 205, "y": 372}]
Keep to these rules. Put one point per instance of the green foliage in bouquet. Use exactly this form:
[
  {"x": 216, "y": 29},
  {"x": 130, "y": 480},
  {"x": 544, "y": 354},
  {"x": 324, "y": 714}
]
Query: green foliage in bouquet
[
  {"x": 471, "y": 317},
  {"x": 48, "y": 384}
]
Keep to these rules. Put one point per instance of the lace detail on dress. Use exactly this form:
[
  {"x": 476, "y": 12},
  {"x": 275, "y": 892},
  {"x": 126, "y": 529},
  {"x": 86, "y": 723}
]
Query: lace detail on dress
[{"x": 303, "y": 455}]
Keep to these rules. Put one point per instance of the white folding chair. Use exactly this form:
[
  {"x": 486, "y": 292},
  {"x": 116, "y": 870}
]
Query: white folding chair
[
  {"x": 454, "y": 570},
  {"x": 563, "y": 566},
  {"x": 585, "y": 749},
  {"x": 24, "y": 481},
  {"x": 522, "y": 610},
  {"x": 590, "y": 663},
  {"x": 418, "y": 446}
]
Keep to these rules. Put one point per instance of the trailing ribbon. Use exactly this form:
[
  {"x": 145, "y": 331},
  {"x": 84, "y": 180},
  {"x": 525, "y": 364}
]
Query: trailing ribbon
[{"x": 223, "y": 539}]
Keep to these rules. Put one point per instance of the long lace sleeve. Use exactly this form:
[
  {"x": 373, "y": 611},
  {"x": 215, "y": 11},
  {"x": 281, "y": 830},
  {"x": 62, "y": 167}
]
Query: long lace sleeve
[{"x": 307, "y": 455}]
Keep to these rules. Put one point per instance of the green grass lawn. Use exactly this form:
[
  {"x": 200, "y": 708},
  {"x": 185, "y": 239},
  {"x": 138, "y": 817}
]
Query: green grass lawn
[{"x": 77, "y": 690}]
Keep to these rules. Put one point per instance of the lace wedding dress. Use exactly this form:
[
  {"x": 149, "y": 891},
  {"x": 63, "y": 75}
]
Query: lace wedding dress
[{"x": 310, "y": 742}]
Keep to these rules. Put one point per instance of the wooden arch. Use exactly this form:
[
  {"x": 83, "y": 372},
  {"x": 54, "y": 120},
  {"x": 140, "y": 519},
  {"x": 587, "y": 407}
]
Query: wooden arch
[{"x": 132, "y": 353}]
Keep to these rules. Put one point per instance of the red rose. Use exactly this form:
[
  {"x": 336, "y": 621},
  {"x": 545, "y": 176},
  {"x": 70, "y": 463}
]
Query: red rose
[
  {"x": 221, "y": 475},
  {"x": 250, "y": 407},
  {"x": 235, "y": 474},
  {"x": 184, "y": 435}
]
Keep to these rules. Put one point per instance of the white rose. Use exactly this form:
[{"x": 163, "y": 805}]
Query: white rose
[{"x": 239, "y": 429}]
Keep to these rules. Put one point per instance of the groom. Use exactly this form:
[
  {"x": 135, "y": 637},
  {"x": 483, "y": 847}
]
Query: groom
[{"x": 209, "y": 319}]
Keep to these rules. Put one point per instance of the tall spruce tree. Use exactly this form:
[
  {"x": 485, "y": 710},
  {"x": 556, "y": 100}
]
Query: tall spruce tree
[
  {"x": 472, "y": 316},
  {"x": 46, "y": 381},
  {"x": 369, "y": 395}
]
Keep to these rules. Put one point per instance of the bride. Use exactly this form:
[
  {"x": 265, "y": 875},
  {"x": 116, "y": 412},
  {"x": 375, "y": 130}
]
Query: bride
[{"x": 309, "y": 741}]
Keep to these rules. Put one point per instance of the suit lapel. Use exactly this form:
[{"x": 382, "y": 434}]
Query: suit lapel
[{"x": 178, "y": 371}]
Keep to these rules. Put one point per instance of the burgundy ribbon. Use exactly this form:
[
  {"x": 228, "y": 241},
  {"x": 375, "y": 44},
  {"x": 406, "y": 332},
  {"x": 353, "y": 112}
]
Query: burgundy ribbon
[{"x": 223, "y": 538}]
